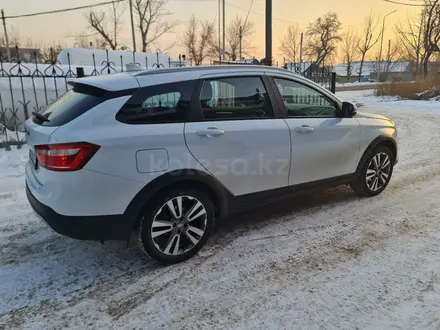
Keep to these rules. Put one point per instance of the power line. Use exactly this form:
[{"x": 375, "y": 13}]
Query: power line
[
  {"x": 259, "y": 14},
  {"x": 66, "y": 9},
  {"x": 406, "y": 4}
]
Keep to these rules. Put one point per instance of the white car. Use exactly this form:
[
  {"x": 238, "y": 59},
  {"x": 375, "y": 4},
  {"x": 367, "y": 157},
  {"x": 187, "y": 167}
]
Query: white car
[{"x": 163, "y": 153}]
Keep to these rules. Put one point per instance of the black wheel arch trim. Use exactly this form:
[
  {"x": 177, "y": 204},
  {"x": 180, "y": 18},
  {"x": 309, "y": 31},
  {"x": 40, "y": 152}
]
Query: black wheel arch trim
[
  {"x": 225, "y": 199},
  {"x": 380, "y": 140}
]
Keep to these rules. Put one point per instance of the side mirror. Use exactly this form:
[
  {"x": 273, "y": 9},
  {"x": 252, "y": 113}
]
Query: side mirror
[{"x": 348, "y": 109}]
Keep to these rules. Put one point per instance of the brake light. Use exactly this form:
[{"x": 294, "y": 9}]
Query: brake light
[{"x": 65, "y": 156}]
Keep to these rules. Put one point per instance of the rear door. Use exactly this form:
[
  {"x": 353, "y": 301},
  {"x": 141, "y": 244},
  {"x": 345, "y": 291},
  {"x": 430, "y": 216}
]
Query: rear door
[
  {"x": 238, "y": 138},
  {"x": 324, "y": 146},
  {"x": 39, "y": 130}
]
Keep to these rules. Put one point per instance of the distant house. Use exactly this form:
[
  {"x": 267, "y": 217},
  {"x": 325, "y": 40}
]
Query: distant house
[
  {"x": 302, "y": 68},
  {"x": 388, "y": 71},
  {"x": 30, "y": 55}
]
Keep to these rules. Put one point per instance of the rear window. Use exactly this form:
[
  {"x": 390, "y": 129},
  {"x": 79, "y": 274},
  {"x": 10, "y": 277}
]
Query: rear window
[{"x": 68, "y": 107}]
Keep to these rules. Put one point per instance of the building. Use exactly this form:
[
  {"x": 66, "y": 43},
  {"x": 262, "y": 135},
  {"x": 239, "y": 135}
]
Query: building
[
  {"x": 388, "y": 71},
  {"x": 30, "y": 55}
]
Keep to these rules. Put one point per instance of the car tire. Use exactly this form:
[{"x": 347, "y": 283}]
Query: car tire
[
  {"x": 375, "y": 172},
  {"x": 176, "y": 226}
]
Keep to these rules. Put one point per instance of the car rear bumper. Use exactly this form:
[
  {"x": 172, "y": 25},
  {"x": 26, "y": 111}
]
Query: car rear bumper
[{"x": 94, "y": 228}]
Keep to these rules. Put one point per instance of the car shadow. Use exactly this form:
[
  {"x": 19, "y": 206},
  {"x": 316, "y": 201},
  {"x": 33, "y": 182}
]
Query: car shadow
[{"x": 263, "y": 214}]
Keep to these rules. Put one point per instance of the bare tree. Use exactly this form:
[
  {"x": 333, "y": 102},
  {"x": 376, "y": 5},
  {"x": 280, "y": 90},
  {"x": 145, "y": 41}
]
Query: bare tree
[
  {"x": 323, "y": 35},
  {"x": 233, "y": 38},
  {"x": 410, "y": 35},
  {"x": 107, "y": 25},
  {"x": 13, "y": 36},
  {"x": 350, "y": 50},
  {"x": 197, "y": 39},
  {"x": 152, "y": 20},
  {"x": 431, "y": 36},
  {"x": 290, "y": 44},
  {"x": 232, "y": 51},
  {"x": 49, "y": 53},
  {"x": 369, "y": 39},
  {"x": 393, "y": 61}
]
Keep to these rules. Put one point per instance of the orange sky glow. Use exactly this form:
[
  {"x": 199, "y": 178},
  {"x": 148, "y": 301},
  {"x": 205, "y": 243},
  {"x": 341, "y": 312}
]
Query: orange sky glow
[{"x": 63, "y": 27}]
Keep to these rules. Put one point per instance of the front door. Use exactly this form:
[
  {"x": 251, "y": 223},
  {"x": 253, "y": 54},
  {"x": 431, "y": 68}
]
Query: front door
[
  {"x": 323, "y": 146},
  {"x": 239, "y": 140}
]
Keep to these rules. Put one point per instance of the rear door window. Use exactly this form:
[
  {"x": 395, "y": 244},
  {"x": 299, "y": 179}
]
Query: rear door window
[
  {"x": 68, "y": 107},
  {"x": 166, "y": 103}
]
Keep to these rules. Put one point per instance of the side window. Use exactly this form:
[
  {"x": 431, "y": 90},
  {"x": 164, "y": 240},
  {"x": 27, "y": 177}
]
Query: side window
[
  {"x": 167, "y": 103},
  {"x": 303, "y": 101},
  {"x": 235, "y": 98}
]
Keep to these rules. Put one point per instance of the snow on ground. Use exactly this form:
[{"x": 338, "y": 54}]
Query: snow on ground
[{"x": 328, "y": 260}]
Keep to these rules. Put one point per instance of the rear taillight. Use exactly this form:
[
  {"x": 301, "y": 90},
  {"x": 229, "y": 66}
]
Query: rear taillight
[{"x": 65, "y": 156}]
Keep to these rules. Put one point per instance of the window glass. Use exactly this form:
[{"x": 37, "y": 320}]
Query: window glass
[
  {"x": 303, "y": 101},
  {"x": 158, "y": 104},
  {"x": 235, "y": 98},
  {"x": 68, "y": 107}
]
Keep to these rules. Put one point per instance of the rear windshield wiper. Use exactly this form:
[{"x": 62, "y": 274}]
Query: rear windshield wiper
[{"x": 40, "y": 117}]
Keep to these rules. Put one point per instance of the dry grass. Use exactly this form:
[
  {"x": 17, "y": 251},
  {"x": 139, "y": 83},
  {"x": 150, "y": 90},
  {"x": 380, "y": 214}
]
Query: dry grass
[{"x": 406, "y": 89}]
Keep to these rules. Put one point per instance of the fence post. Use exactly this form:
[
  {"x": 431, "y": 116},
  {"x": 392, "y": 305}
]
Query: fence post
[
  {"x": 333, "y": 83},
  {"x": 79, "y": 72}
]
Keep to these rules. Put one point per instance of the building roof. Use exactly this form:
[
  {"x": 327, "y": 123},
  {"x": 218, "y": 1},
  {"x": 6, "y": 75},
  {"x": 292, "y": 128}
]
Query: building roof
[
  {"x": 370, "y": 67},
  {"x": 299, "y": 67}
]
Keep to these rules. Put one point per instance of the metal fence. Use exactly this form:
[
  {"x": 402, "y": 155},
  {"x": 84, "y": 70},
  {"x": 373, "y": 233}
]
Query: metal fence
[
  {"x": 28, "y": 86},
  {"x": 321, "y": 75}
]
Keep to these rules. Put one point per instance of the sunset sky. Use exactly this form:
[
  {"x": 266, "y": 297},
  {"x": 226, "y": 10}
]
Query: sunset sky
[{"x": 62, "y": 27}]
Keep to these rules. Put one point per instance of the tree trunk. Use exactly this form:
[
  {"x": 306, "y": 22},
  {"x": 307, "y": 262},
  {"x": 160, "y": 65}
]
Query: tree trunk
[
  {"x": 361, "y": 67},
  {"x": 426, "y": 65},
  {"x": 144, "y": 42}
]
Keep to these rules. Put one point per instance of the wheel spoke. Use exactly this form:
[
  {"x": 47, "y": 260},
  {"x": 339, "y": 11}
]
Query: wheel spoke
[
  {"x": 190, "y": 216},
  {"x": 385, "y": 163},
  {"x": 155, "y": 234},
  {"x": 169, "y": 244},
  {"x": 176, "y": 246},
  {"x": 370, "y": 174},
  {"x": 376, "y": 160},
  {"x": 172, "y": 209},
  {"x": 375, "y": 183},
  {"x": 191, "y": 237},
  {"x": 384, "y": 177},
  {"x": 196, "y": 230},
  {"x": 161, "y": 223}
]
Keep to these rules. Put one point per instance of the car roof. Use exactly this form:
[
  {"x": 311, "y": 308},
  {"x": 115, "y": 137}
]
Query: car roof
[
  {"x": 145, "y": 78},
  {"x": 208, "y": 69},
  {"x": 166, "y": 75}
]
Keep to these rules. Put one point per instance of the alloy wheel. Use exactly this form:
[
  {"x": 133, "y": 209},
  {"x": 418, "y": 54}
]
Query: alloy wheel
[
  {"x": 179, "y": 225},
  {"x": 378, "y": 171}
]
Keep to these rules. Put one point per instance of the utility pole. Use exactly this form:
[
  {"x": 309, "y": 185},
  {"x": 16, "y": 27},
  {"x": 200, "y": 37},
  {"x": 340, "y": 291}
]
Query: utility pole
[
  {"x": 381, "y": 44},
  {"x": 132, "y": 25},
  {"x": 301, "y": 48},
  {"x": 224, "y": 29},
  {"x": 241, "y": 39},
  {"x": 219, "y": 32},
  {"x": 242, "y": 27},
  {"x": 8, "y": 50},
  {"x": 269, "y": 32}
]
